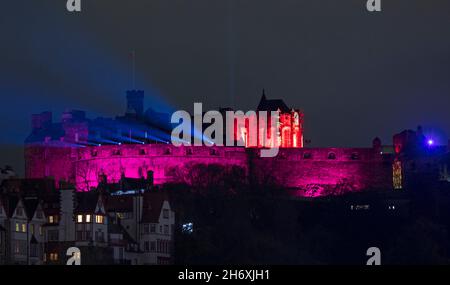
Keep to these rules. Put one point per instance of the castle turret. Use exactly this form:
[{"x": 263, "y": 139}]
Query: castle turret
[
  {"x": 41, "y": 121},
  {"x": 135, "y": 102}
]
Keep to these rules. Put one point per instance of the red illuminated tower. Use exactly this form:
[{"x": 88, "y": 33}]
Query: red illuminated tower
[{"x": 290, "y": 129}]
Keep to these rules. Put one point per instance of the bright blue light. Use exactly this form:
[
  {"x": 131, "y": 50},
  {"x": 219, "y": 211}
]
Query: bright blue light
[{"x": 188, "y": 228}]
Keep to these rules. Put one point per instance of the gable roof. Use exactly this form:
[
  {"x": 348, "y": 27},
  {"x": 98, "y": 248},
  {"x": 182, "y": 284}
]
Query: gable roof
[
  {"x": 30, "y": 204},
  {"x": 87, "y": 202},
  {"x": 152, "y": 206},
  {"x": 51, "y": 204},
  {"x": 10, "y": 205},
  {"x": 114, "y": 228},
  {"x": 29, "y": 186},
  {"x": 119, "y": 204},
  {"x": 272, "y": 105}
]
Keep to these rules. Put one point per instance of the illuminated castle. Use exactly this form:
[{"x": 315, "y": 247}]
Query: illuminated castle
[
  {"x": 136, "y": 145},
  {"x": 289, "y": 129}
]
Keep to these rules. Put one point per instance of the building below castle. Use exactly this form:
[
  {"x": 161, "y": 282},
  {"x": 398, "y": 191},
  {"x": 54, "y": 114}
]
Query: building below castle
[
  {"x": 86, "y": 151},
  {"x": 38, "y": 225}
]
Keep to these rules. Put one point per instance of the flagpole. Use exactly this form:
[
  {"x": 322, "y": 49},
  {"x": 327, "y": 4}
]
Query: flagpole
[{"x": 133, "y": 54}]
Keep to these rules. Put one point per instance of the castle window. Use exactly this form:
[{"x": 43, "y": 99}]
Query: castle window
[
  {"x": 331, "y": 155},
  {"x": 116, "y": 152},
  {"x": 307, "y": 155},
  {"x": 167, "y": 151},
  {"x": 142, "y": 151},
  {"x": 397, "y": 174},
  {"x": 94, "y": 153},
  {"x": 189, "y": 151},
  {"x": 213, "y": 152},
  {"x": 355, "y": 156}
]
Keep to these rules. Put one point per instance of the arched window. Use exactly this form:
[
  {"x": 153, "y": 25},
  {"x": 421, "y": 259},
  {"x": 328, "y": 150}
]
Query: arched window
[
  {"x": 332, "y": 155},
  {"x": 286, "y": 137}
]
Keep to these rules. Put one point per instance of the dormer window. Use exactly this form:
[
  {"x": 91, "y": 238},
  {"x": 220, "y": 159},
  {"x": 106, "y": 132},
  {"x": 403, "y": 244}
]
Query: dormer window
[
  {"x": 53, "y": 219},
  {"x": 331, "y": 156},
  {"x": 99, "y": 219}
]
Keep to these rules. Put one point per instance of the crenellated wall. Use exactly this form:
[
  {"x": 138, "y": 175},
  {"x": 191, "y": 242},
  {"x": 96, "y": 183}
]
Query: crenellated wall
[
  {"x": 308, "y": 172},
  {"x": 84, "y": 165},
  {"x": 316, "y": 172}
]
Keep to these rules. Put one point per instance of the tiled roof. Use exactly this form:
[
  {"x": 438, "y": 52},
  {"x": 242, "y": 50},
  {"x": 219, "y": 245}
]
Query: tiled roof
[
  {"x": 153, "y": 203},
  {"x": 30, "y": 206},
  {"x": 86, "y": 202},
  {"x": 119, "y": 204}
]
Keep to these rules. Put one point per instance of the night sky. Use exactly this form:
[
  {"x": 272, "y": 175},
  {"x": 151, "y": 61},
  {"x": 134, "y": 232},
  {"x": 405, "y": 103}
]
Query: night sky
[{"x": 355, "y": 74}]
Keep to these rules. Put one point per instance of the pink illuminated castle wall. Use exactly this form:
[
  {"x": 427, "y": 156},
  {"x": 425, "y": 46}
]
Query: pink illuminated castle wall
[{"x": 81, "y": 151}]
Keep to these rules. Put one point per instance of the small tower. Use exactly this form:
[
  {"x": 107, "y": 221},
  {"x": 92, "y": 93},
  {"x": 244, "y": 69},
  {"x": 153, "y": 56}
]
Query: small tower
[{"x": 135, "y": 102}]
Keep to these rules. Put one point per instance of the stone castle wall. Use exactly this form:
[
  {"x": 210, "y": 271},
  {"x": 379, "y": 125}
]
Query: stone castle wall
[{"x": 307, "y": 172}]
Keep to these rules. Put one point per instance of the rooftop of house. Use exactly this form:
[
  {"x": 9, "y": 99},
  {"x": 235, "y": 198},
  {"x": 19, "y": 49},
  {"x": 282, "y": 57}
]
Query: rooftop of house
[
  {"x": 153, "y": 203},
  {"x": 86, "y": 202}
]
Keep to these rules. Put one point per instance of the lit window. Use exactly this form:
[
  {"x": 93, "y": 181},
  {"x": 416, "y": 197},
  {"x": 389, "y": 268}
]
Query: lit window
[
  {"x": 54, "y": 256},
  {"x": 32, "y": 229},
  {"x": 99, "y": 219},
  {"x": 79, "y": 218},
  {"x": 52, "y": 219},
  {"x": 24, "y": 228},
  {"x": 88, "y": 218},
  {"x": 17, "y": 227},
  {"x": 397, "y": 174},
  {"x": 41, "y": 232}
]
